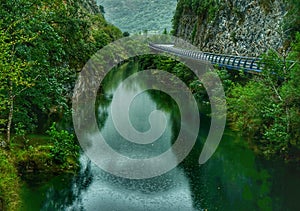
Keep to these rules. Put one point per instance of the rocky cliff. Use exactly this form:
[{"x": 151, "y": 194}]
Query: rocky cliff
[
  {"x": 91, "y": 6},
  {"x": 237, "y": 27}
]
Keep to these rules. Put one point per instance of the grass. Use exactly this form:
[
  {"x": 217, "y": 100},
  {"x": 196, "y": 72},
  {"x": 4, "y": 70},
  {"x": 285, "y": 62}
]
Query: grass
[{"x": 9, "y": 183}]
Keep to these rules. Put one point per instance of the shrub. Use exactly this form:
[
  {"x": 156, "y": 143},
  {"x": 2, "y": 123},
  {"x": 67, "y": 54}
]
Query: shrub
[{"x": 64, "y": 149}]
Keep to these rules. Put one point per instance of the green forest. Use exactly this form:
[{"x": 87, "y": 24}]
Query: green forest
[
  {"x": 265, "y": 108},
  {"x": 44, "y": 45}
]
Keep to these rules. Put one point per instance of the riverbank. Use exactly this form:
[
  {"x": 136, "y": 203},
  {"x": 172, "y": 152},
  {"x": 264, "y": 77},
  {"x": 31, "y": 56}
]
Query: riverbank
[
  {"x": 44, "y": 155},
  {"x": 264, "y": 108},
  {"x": 233, "y": 178},
  {"x": 9, "y": 182}
]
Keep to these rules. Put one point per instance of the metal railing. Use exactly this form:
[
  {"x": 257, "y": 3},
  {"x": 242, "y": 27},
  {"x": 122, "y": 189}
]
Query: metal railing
[{"x": 247, "y": 64}]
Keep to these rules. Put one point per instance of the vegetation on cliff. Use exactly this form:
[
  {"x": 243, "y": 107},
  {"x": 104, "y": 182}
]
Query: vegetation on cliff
[
  {"x": 210, "y": 9},
  {"x": 267, "y": 107},
  {"x": 237, "y": 27},
  {"x": 43, "y": 46},
  {"x": 264, "y": 107}
]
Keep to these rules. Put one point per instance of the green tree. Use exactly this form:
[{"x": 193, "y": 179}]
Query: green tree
[
  {"x": 165, "y": 31},
  {"x": 126, "y": 34},
  {"x": 266, "y": 109},
  {"x": 44, "y": 44},
  {"x": 14, "y": 79}
]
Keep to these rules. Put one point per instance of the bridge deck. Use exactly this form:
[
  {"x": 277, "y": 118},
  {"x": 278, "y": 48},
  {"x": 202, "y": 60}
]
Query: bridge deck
[{"x": 247, "y": 64}]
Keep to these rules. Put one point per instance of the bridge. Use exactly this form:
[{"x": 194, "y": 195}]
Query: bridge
[{"x": 247, "y": 64}]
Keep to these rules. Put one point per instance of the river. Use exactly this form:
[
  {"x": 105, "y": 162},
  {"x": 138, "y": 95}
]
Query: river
[{"x": 235, "y": 178}]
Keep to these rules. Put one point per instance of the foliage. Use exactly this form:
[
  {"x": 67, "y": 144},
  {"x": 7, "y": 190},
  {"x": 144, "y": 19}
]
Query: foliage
[
  {"x": 292, "y": 18},
  {"x": 64, "y": 145},
  {"x": 37, "y": 154},
  {"x": 206, "y": 9},
  {"x": 44, "y": 44},
  {"x": 9, "y": 183},
  {"x": 267, "y": 108},
  {"x": 165, "y": 31},
  {"x": 14, "y": 78},
  {"x": 264, "y": 107},
  {"x": 177, "y": 16},
  {"x": 126, "y": 34},
  {"x": 180, "y": 70}
]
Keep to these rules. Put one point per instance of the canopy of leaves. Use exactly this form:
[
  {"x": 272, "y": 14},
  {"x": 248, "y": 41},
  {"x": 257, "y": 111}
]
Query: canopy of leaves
[
  {"x": 43, "y": 45},
  {"x": 267, "y": 108}
]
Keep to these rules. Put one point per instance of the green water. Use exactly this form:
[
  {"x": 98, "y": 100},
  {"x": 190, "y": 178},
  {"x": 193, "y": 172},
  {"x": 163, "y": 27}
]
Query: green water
[{"x": 233, "y": 179}]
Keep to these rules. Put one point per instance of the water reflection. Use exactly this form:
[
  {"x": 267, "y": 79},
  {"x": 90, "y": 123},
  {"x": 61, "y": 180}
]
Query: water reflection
[
  {"x": 233, "y": 179},
  {"x": 108, "y": 192},
  {"x": 167, "y": 192}
]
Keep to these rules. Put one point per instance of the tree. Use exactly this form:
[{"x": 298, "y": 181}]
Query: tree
[
  {"x": 165, "y": 31},
  {"x": 102, "y": 9},
  {"x": 126, "y": 34},
  {"x": 44, "y": 44},
  {"x": 14, "y": 79},
  {"x": 266, "y": 109}
]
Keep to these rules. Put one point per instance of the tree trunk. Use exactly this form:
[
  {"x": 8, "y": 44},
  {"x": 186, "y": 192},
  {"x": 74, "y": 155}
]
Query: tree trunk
[{"x": 10, "y": 117}]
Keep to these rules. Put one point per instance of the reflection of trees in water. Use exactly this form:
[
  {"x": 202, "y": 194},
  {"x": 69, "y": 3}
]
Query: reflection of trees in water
[
  {"x": 108, "y": 86},
  {"x": 165, "y": 103},
  {"x": 102, "y": 103},
  {"x": 71, "y": 195},
  {"x": 68, "y": 194},
  {"x": 110, "y": 83},
  {"x": 230, "y": 180}
]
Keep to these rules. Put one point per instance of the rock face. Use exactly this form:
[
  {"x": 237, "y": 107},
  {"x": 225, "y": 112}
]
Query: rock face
[
  {"x": 235, "y": 27},
  {"x": 91, "y": 6}
]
